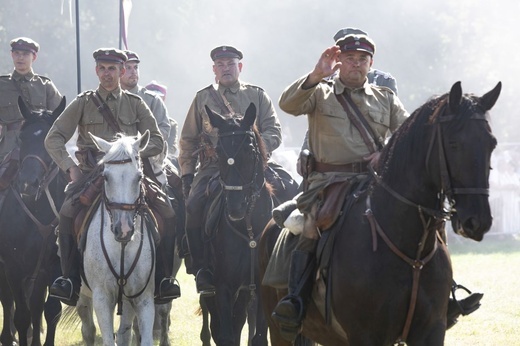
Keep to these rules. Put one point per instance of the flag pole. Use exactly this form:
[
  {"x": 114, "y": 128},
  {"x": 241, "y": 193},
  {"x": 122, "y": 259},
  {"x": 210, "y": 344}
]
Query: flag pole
[
  {"x": 78, "y": 50},
  {"x": 121, "y": 23}
]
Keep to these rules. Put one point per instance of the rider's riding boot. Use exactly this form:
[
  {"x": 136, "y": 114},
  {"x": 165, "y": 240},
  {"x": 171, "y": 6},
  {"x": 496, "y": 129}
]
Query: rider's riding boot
[
  {"x": 66, "y": 287},
  {"x": 198, "y": 266},
  {"x": 166, "y": 287},
  {"x": 290, "y": 311},
  {"x": 462, "y": 307}
]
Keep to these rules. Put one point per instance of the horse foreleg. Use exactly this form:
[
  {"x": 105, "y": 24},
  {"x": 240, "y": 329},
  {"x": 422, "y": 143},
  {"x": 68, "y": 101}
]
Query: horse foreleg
[
  {"x": 86, "y": 314},
  {"x": 22, "y": 317},
  {"x": 124, "y": 332},
  {"x": 104, "y": 308},
  {"x": 161, "y": 323},
  {"x": 8, "y": 330},
  {"x": 52, "y": 313},
  {"x": 145, "y": 314},
  {"x": 36, "y": 302},
  {"x": 205, "y": 334}
]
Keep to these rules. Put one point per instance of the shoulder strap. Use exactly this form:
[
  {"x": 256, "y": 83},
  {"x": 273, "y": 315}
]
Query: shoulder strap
[
  {"x": 105, "y": 112},
  {"x": 359, "y": 121},
  {"x": 221, "y": 100}
]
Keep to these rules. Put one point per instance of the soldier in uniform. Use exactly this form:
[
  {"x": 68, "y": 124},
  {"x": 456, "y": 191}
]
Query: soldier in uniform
[
  {"x": 339, "y": 149},
  {"x": 38, "y": 92},
  {"x": 161, "y": 91},
  {"x": 132, "y": 116},
  {"x": 374, "y": 76},
  {"x": 352, "y": 57},
  {"x": 198, "y": 139},
  {"x": 129, "y": 82}
]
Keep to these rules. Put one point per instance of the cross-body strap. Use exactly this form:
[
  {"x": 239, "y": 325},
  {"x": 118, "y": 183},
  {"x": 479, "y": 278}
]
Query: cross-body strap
[
  {"x": 221, "y": 100},
  {"x": 105, "y": 112},
  {"x": 367, "y": 133}
]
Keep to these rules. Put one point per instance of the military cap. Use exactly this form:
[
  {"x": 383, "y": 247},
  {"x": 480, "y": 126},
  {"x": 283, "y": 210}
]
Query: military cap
[
  {"x": 348, "y": 31},
  {"x": 25, "y": 43},
  {"x": 110, "y": 55},
  {"x": 157, "y": 88},
  {"x": 225, "y": 52},
  {"x": 132, "y": 56},
  {"x": 357, "y": 42}
]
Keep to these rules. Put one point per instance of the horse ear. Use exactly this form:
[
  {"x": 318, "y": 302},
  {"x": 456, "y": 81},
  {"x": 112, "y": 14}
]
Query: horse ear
[
  {"x": 100, "y": 143},
  {"x": 142, "y": 141},
  {"x": 250, "y": 116},
  {"x": 56, "y": 113},
  {"x": 215, "y": 119},
  {"x": 489, "y": 99},
  {"x": 26, "y": 112},
  {"x": 455, "y": 97}
]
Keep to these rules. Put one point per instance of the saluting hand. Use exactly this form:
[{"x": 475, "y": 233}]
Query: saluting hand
[{"x": 326, "y": 66}]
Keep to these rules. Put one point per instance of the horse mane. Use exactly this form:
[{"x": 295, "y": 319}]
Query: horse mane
[
  {"x": 408, "y": 142},
  {"x": 261, "y": 146},
  {"x": 120, "y": 150}
]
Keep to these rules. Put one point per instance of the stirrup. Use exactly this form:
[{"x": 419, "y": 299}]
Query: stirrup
[
  {"x": 209, "y": 290},
  {"x": 71, "y": 298},
  {"x": 467, "y": 309},
  {"x": 289, "y": 322}
]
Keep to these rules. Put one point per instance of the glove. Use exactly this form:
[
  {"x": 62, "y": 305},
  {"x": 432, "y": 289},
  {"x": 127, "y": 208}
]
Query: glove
[{"x": 187, "y": 180}]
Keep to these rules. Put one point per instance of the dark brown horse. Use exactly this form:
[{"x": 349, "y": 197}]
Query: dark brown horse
[
  {"x": 389, "y": 275},
  {"x": 244, "y": 210},
  {"x": 28, "y": 250}
]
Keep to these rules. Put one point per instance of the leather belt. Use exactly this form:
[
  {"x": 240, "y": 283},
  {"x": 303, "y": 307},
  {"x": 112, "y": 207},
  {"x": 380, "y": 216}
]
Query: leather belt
[{"x": 354, "y": 167}]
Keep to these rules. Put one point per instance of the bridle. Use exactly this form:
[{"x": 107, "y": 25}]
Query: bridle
[
  {"x": 254, "y": 193},
  {"x": 139, "y": 207},
  {"x": 448, "y": 193}
]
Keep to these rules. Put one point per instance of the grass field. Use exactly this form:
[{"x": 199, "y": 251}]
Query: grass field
[{"x": 492, "y": 267}]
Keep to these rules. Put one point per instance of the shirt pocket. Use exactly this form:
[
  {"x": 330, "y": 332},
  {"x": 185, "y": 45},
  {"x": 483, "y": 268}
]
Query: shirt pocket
[
  {"x": 9, "y": 112},
  {"x": 332, "y": 120},
  {"x": 379, "y": 117}
]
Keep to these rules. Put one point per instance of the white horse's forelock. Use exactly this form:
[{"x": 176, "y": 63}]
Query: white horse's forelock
[{"x": 121, "y": 149}]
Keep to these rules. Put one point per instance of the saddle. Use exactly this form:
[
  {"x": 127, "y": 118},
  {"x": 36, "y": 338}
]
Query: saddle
[{"x": 333, "y": 198}]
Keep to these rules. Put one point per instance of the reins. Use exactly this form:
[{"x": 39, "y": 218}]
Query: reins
[
  {"x": 140, "y": 207},
  {"x": 252, "y": 199},
  {"x": 447, "y": 192}
]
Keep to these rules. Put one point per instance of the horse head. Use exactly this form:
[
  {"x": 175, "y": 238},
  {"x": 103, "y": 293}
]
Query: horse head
[
  {"x": 122, "y": 181},
  {"x": 241, "y": 160},
  {"x": 468, "y": 143},
  {"x": 35, "y": 162}
]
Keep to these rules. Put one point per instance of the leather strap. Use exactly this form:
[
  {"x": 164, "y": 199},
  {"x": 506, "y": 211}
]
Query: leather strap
[
  {"x": 354, "y": 167},
  {"x": 105, "y": 112},
  {"x": 221, "y": 100},
  {"x": 359, "y": 121}
]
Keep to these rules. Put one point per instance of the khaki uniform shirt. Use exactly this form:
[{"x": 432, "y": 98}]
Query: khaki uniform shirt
[
  {"x": 37, "y": 91},
  {"x": 130, "y": 111},
  {"x": 333, "y": 139},
  {"x": 240, "y": 96},
  {"x": 158, "y": 108}
]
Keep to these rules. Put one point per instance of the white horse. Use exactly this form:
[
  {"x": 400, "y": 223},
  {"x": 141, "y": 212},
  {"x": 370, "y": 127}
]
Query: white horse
[{"x": 119, "y": 257}]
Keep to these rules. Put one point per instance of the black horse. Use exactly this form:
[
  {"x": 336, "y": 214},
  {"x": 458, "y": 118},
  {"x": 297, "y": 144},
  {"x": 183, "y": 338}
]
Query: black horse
[
  {"x": 389, "y": 276},
  {"x": 243, "y": 205},
  {"x": 28, "y": 250}
]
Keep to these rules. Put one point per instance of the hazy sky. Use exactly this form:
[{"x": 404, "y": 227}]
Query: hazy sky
[{"x": 426, "y": 44}]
